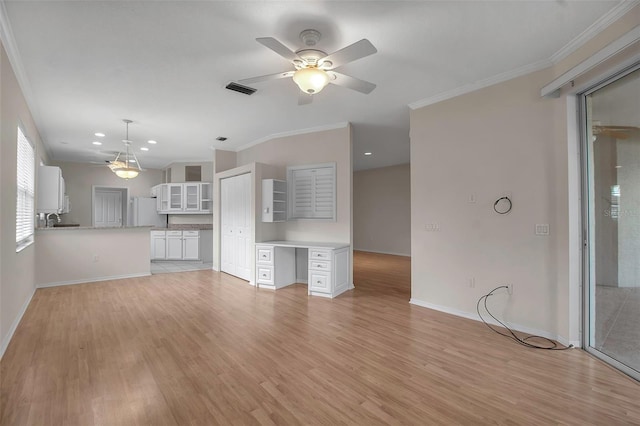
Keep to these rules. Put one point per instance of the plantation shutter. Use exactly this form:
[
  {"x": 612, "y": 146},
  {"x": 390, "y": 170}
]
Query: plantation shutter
[{"x": 312, "y": 192}]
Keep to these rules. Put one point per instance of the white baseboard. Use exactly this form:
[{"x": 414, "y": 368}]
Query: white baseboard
[
  {"x": 93, "y": 280},
  {"x": 382, "y": 252},
  {"x": 474, "y": 316},
  {"x": 14, "y": 326}
]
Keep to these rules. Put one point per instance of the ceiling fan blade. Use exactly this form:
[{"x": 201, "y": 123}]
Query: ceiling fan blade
[
  {"x": 304, "y": 98},
  {"x": 268, "y": 77},
  {"x": 355, "y": 51},
  {"x": 352, "y": 83},
  {"x": 279, "y": 48}
]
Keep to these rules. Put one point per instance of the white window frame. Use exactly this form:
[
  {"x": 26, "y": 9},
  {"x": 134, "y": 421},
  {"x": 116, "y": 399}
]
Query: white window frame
[
  {"x": 291, "y": 192},
  {"x": 25, "y": 189}
]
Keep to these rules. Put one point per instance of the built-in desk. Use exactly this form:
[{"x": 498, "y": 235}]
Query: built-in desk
[{"x": 323, "y": 266}]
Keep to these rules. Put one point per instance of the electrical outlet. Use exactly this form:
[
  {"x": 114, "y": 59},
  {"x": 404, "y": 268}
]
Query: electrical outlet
[
  {"x": 509, "y": 288},
  {"x": 96, "y": 258},
  {"x": 431, "y": 227},
  {"x": 472, "y": 283}
]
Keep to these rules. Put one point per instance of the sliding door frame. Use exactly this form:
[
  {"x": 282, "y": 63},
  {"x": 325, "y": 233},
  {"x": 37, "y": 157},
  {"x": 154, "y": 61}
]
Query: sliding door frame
[{"x": 587, "y": 296}]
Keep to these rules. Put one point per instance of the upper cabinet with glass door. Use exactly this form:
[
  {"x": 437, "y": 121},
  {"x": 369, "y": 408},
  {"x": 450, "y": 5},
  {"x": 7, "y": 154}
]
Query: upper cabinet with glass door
[{"x": 183, "y": 198}]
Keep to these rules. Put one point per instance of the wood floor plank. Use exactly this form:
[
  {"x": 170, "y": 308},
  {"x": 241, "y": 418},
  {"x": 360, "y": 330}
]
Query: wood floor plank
[{"x": 204, "y": 348}]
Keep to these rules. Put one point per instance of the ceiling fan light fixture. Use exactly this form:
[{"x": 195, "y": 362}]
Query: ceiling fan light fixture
[{"x": 311, "y": 80}]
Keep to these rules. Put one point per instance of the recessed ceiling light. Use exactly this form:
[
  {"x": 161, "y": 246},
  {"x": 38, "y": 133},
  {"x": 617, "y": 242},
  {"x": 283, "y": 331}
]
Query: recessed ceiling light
[
  {"x": 132, "y": 160},
  {"x": 367, "y": 153},
  {"x": 144, "y": 148},
  {"x": 152, "y": 142},
  {"x": 96, "y": 143},
  {"x": 100, "y": 135}
]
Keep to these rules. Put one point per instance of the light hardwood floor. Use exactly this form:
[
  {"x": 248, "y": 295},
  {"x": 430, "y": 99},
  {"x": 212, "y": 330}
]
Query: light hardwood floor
[{"x": 205, "y": 348}]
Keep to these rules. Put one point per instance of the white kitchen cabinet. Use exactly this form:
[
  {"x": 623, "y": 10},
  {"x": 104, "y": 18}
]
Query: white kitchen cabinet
[
  {"x": 50, "y": 190},
  {"x": 190, "y": 245},
  {"x": 176, "y": 194},
  {"x": 206, "y": 198},
  {"x": 174, "y": 245},
  {"x": 183, "y": 198},
  {"x": 158, "y": 245},
  {"x": 274, "y": 200},
  {"x": 191, "y": 201}
]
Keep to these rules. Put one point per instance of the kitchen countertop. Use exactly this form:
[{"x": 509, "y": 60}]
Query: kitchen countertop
[
  {"x": 304, "y": 244},
  {"x": 185, "y": 227},
  {"x": 84, "y": 228}
]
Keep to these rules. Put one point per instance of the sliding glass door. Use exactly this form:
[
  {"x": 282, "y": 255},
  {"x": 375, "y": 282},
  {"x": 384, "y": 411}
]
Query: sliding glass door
[{"x": 612, "y": 206}]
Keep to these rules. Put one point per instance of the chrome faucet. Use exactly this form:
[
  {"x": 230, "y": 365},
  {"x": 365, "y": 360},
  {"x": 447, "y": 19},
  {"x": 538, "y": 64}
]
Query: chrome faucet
[{"x": 50, "y": 221}]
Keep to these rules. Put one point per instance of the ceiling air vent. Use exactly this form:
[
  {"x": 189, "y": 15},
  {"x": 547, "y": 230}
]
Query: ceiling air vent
[
  {"x": 222, "y": 138},
  {"x": 240, "y": 88}
]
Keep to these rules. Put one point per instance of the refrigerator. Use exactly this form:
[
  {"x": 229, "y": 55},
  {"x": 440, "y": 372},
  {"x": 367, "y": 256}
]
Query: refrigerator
[{"x": 143, "y": 212}]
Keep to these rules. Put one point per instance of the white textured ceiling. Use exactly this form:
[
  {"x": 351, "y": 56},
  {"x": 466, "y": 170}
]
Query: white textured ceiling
[{"x": 164, "y": 64}]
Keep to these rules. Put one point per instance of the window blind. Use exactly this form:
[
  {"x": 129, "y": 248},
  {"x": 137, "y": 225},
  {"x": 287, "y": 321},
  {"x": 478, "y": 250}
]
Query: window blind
[
  {"x": 25, "y": 215},
  {"x": 312, "y": 191}
]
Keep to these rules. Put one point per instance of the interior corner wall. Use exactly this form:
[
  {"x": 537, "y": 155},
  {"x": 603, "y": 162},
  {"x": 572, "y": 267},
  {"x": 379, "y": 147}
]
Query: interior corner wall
[
  {"x": 79, "y": 178},
  {"x": 382, "y": 210},
  {"x": 17, "y": 270},
  {"x": 311, "y": 148},
  {"x": 466, "y": 153}
]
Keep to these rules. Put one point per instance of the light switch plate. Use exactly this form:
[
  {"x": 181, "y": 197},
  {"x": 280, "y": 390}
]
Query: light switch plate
[{"x": 542, "y": 229}]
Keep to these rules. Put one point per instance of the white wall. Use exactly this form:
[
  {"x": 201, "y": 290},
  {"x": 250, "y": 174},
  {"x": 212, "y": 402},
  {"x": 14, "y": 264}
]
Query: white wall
[
  {"x": 17, "y": 270},
  {"x": 311, "y": 148},
  {"x": 79, "y": 179},
  {"x": 178, "y": 171},
  {"x": 67, "y": 256},
  {"x": 483, "y": 145},
  {"x": 382, "y": 210},
  {"x": 500, "y": 140}
]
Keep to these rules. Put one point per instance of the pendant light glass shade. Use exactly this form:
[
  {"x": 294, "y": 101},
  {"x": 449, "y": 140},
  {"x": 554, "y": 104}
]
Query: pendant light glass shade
[
  {"x": 124, "y": 167},
  {"x": 311, "y": 80},
  {"x": 126, "y": 172}
]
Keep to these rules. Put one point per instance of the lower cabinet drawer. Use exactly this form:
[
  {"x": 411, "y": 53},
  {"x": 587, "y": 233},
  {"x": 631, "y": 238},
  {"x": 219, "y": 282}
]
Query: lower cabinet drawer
[
  {"x": 317, "y": 254},
  {"x": 264, "y": 275},
  {"x": 265, "y": 255},
  {"x": 320, "y": 265},
  {"x": 320, "y": 282}
]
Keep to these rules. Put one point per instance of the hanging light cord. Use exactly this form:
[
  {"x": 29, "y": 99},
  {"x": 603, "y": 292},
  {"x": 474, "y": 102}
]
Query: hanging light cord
[{"x": 524, "y": 341}]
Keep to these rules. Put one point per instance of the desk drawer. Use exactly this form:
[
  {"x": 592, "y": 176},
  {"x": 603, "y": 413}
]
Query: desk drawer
[
  {"x": 264, "y": 255},
  {"x": 319, "y": 282},
  {"x": 319, "y": 265},
  {"x": 264, "y": 275},
  {"x": 317, "y": 254}
]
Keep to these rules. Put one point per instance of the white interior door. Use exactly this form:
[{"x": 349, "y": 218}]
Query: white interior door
[
  {"x": 107, "y": 209},
  {"x": 235, "y": 218}
]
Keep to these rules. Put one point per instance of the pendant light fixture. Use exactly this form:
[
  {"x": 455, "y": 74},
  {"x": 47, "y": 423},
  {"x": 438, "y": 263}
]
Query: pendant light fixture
[{"x": 126, "y": 166}]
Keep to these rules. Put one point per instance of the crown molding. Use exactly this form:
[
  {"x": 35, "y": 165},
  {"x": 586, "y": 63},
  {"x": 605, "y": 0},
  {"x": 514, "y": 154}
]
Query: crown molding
[
  {"x": 334, "y": 126},
  {"x": 499, "y": 78},
  {"x": 599, "y": 57},
  {"x": 8, "y": 41},
  {"x": 594, "y": 29}
]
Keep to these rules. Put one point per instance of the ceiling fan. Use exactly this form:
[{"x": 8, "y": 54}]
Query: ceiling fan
[
  {"x": 618, "y": 132},
  {"x": 314, "y": 69}
]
